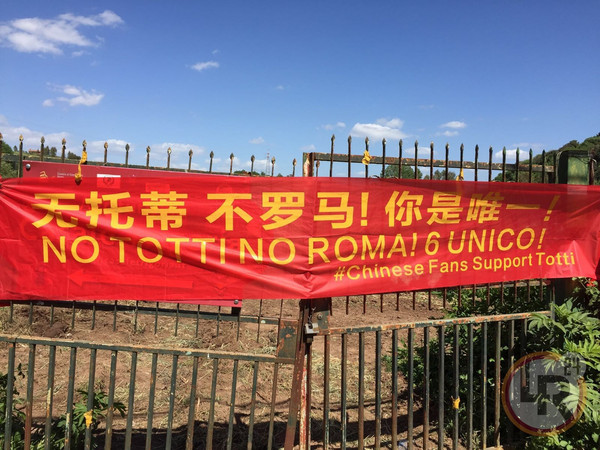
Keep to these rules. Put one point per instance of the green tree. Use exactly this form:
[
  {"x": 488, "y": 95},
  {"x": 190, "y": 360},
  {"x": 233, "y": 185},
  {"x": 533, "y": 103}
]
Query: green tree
[
  {"x": 407, "y": 172},
  {"x": 6, "y": 150},
  {"x": 550, "y": 158},
  {"x": 50, "y": 151},
  {"x": 441, "y": 175}
]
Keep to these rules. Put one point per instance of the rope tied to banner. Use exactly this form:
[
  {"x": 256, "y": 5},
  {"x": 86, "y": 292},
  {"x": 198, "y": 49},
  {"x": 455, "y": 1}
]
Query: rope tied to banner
[{"x": 83, "y": 160}]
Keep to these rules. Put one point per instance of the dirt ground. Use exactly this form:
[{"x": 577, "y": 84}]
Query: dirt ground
[{"x": 252, "y": 332}]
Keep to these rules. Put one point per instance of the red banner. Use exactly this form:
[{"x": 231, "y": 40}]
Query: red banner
[{"x": 218, "y": 237}]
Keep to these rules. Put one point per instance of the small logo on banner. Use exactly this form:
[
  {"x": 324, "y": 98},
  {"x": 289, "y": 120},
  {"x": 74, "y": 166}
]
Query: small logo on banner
[
  {"x": 108, "y": 180},
  {"x": 543, "y": 393}
]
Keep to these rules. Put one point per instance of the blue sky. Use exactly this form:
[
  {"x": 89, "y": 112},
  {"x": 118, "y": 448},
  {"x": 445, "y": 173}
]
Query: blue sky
[{"x": 280, "y": 77}]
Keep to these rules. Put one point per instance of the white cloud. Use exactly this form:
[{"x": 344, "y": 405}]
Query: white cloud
[
  {"x": 257, "y": 141},
  {"x": 280, "y": 87},
  {"x": 200, "y": 66},
  {"x": 383, "y": 129},
  {"x": 309, "y": 148},
  {"x": 334, "y": 126},
  {"x": 523, "y": 147},
  {"x": 114, "y": 146},
  {"x": 448, "y": 133},
  {"x": 74, "y": 96},
  {"x": 31, "y": 138},
  {"x": 454, "y": 124},
  {"x": 36, "y": 35}
]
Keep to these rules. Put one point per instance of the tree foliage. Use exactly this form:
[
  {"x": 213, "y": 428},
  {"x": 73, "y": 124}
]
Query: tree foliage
[
  {"x": 550, "y": 158},
  {"x": 408, "y": 172}
]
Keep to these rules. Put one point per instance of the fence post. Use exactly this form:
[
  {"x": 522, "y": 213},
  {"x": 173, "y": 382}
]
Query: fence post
[
  {"x": 302, "y": 348},
  {"x": 573, "y": 167}
]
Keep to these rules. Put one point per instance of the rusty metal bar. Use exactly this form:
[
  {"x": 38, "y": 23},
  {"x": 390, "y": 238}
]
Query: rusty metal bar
[
  {"x": 470, "y": 387},
  {"x": 49, "y": 395},
  {"x": 326, "y": 390},
  {"x": 130, "y": 405},
  {"x": 349, "y": 156},
  {"x": 189, "y": 438},
  {"x": 111, "y": 400},
  {"x": 253, "y": 405},
  {"x": 302, "y": 349},
  {"x": 476, "y": 163},
  {"x": 497, "y": 384},
  {"x": 441, "y": 375},
  {"x": 29, "y": 398},
  {"x": 456, "y": 397},
  {"x": 273, "y": 400},
  {"x": 9, "y": 397},
  {"x": 151, "y": 397},
  {"x": 344, "y": 390},
  {"x": 232, "y": 405},
  {"x": 410, "y": 381},
  {"x": 211, "y": 413},
  {"x": 172, "y": 391},
  {"x": 377, "y": 389},
  {"x": 361, "y": 390},
  {"x": 511, "y": 361},
  {"x": 426, "y": 392},
  {"x": 433, "y": 323},
  {"x": 484, "y": 368},
  {"x": 489, "y": 166},
  {"x": 70, "y": 392},
  {"x": 394, "y": 389}
]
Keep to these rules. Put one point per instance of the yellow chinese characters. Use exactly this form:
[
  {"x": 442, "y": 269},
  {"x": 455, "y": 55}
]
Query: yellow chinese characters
[
  {"x": 228, "y": 210},
  {"x": 333, "y": 207},
  {"x": 284, "y": 208},
  {"x": 484, "y": 208},
  {"x": 54, "y": 210},
  {"x": 114, "y": 210},
  {"x": 404, "y": 208},
  {"x": 164, "y": 208}
]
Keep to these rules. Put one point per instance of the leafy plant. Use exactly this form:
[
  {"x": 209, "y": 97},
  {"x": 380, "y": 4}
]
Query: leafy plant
[
  {"x": 18, "y": 416},
  {"x": 575, "y": 333},
  {"x": 82, "y": 418},
  {"x": 467, "y": 303}
]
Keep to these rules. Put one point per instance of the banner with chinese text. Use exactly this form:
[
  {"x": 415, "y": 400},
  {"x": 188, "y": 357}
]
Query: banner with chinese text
[{"x": 218, "y": 237}]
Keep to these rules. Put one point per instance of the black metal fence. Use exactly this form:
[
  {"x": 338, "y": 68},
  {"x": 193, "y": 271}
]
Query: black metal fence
[{"x": 285, "y": 375}]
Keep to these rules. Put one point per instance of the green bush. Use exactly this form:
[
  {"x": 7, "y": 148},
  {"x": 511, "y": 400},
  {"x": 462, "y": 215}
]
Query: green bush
[
  {"x": 57, "y": 435},
  {"x": 573, "y": 332}
]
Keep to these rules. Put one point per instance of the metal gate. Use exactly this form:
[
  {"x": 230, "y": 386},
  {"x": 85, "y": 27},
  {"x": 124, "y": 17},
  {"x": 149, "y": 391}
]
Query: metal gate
[{"x": 314, "y": 380}]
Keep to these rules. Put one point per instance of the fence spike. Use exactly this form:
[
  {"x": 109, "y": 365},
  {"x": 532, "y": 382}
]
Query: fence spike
[
  {"x": 42, "y": 140},
  {"x": 190, "y": 153},
  {"x": 169, "y": 157},
  {"x": 147, "y": 157}
]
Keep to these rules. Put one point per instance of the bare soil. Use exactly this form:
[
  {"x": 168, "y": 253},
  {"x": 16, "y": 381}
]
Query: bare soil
[{"x": 250, "y": 333}]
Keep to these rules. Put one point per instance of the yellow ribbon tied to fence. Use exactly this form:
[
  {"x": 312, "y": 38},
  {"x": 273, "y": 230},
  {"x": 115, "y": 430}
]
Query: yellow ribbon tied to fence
[
  {"x": 83, "y": 160},
  {"x": 455, "y": 402},
  {"x": 88, "y": 418},
  {"x": 366, "y": 158}
]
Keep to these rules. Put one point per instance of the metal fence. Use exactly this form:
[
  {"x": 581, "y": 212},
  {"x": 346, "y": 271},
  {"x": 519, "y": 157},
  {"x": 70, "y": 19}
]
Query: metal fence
[{"x": 294, "y": 376}]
